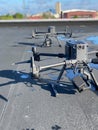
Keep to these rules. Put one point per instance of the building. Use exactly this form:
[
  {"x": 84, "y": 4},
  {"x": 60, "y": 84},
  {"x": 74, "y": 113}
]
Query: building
[
  {"x": 79, "y": 14},
  {"x": 58, "y": 8},
  {"x": 36, "y": 16}
]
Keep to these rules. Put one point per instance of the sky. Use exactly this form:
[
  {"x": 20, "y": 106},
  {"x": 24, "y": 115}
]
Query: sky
[{"x": 36, "y": 6}]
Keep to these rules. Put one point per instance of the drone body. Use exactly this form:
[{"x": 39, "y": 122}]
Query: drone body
[
  {"x": 76, "y": 57},
  {"x": 51, "y": 32}
]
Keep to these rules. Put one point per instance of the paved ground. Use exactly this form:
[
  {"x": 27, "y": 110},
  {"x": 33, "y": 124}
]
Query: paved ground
[{"x": 26, "y": 104}]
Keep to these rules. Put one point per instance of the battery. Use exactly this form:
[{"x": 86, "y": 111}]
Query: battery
[{"x": 79, "y": 83}]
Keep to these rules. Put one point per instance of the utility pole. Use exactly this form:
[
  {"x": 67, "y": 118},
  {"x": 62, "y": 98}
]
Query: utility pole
[{"x": 24, "y": 8}]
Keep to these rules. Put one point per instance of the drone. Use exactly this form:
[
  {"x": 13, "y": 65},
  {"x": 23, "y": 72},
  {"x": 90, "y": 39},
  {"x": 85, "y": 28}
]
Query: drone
[
  {"x": 76, "y": 58},
  {"x": 51, "y": 32}
]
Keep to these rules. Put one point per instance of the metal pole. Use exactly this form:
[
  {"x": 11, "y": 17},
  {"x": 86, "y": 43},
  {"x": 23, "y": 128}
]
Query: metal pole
[
  {"x": 61, "y": 72},
  {"x": 24, "y": 7},
  {"x": 49, "y": 66}
]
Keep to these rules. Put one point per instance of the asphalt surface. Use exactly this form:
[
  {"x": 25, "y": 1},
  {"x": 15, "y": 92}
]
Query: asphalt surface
[{"x": 25, "y": 103}]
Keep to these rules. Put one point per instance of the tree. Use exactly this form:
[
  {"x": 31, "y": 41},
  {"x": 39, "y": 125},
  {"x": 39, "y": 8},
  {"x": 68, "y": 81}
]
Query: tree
[
  {"x": 75, "y": 16},
  {"x": 18, "y": 16},
  {"x": 6, "y": 17},
  {"x": 47, "y": 15}
]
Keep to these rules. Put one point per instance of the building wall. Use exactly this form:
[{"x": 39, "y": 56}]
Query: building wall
[
  {"x": 58, "y": 8},
  {"x": 80, "y": 14},
  {"x": 35, "y": 17},
  {"x": 97, "y": 14}
]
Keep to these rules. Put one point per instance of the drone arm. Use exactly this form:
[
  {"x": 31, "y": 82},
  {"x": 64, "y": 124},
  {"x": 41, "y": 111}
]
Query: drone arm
[
  {"x": 37, "y": 55},
  {"x": 92, "y": 52},
  {"x": 53, "y": 65},
  {"x": 60, "y": 55}
]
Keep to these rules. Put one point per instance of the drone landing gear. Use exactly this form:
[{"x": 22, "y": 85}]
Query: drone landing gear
[
  {"x": 94, "y": 77},
  {"x": 53, "y": 85},
  {"x": 54, "y": 90},
  {"x": 83, "y": 83},
  {"x": 36, "y": 74},
  {"x": 47, "y": 42}
]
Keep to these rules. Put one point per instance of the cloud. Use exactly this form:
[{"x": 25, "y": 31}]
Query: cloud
[{"x": 79, "y": 4}]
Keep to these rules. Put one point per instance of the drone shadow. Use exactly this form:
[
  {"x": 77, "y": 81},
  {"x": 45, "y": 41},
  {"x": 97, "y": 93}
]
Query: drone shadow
[
  {"x": 26, "y": 43},
  {"x": 14, "y": 77},
  {"x": 56, "y": 127},
  {"x": 62, "y": 88},
  {"x": 3, "y": 98},
  {"x": 65, "y": 86},
  {"x": 31, "y": 44}
]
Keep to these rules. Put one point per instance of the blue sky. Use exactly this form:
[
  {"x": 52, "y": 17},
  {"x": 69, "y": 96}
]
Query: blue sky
[{"x": 36, "y": 6}]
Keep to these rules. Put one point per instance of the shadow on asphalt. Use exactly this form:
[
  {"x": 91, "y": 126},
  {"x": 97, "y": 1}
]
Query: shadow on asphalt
[
  {"x": 23, "y": 43},
  {"x": 28, "y": 129},
  {"x": 14, "y": 77},
  {"x": 63, "y": 88},
  {"x": 3, "y": 98},
  {"x": 56, "y": 127},
  {"x": 40, "y": 44},
  {"x": 26, "y": 43}
]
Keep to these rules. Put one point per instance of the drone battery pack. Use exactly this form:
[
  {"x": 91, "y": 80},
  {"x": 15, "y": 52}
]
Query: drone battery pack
[
  {"x": 79, "y": 83},
  {"x": 95, "y": 61}
]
